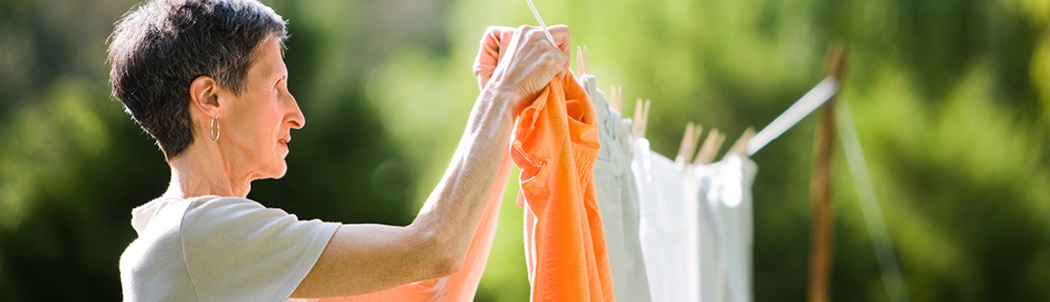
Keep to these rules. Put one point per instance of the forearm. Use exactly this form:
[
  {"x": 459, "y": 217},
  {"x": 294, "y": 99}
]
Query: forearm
[
  {"x": 367, "y": 258},
  {"x": 454, "y": 208},
  {"x": 461, "y": 285}
]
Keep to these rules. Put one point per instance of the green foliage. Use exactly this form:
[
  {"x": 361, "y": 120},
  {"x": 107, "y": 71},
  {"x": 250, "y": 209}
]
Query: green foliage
[{"x": 951, "y": 99}]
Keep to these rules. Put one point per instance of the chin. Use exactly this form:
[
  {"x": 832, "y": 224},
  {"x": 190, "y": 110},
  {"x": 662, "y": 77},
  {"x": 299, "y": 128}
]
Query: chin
[
  {"x": 275, "y": 171},
  {"x": 281, "y": 171}
]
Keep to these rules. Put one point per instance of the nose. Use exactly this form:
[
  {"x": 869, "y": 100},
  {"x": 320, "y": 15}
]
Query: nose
[{"x": 296, "y": 117}]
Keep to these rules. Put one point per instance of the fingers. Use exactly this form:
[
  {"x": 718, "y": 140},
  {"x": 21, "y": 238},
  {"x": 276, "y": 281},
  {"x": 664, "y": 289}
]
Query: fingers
[
  {"x": 492, "y": 42},
  {"x": 560, "y": 34},
  {"x": 496, "y": 30},
  {"x": 533, "y": 37},
  {"x": 496, "y": 39},
  {"x": 562, "y": 37},
  {"x": 504, "y": 40},
  {"x": 522, "y": 56}
]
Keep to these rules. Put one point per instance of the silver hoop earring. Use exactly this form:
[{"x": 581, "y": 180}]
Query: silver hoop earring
[{"x": 215, "y": 129}]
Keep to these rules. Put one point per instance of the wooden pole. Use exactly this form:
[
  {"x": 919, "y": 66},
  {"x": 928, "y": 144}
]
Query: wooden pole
[{"x": 822, "y": 226}]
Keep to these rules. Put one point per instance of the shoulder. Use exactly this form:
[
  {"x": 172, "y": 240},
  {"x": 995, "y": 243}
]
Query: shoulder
[
  {"x": 221, "y": 221},
  {"x": 221, "y": 248},
  {"x": 215, "y": 205},
  {"x": 152, "y": 267},
  {"x": 236, "y": 247},
  {"x": 214, "y": 215}
]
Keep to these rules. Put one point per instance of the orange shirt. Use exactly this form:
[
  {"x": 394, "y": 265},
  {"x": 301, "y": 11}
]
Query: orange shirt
[
  {"x": 556, "y": 144},
  {"x": 461, "y": 285}
]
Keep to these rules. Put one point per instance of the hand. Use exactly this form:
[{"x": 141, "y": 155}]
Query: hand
[
  {"x": 496, "y": 38},
  {"x": 521, "y": 60}
]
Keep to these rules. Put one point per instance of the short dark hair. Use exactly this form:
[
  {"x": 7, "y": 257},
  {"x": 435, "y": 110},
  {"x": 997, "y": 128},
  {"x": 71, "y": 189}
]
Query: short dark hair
[{"x": 158, "y": 48}]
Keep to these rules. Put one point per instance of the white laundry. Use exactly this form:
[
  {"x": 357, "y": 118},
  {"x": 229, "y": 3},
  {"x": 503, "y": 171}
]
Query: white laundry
[
  {"x": 618, "y": 199},
  {"x": 726, "y": 229},
  {"x": 669, "y": 224},
  {"x": 696, "y": 226}
]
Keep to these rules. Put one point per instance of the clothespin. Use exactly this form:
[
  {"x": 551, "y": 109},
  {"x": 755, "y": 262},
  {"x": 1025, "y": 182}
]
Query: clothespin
[
  {"x": 586, "y": 61},
  {"x": 580, "y": 60},
  {"x": 689, "y": 141},
  {"x": 582, "y": 64},
  {"x": 740, "y": 146},
  {"x": 581, "y": 68},
  {"x": 641, "y": 117},
  {"x": 616, "y": 98},
  {"x": 710, "y": 148}
]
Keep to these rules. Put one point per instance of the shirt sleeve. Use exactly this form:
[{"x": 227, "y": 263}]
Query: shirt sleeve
[{"x": 238, "y": 250}]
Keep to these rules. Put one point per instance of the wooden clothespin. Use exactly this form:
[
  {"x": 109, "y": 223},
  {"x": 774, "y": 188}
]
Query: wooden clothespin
[
  {"x": 616, "y": 98},
  {"x": 689, "y": 141},
  {"x": 583, "y": 65},
  {"x": 586, "y": 61},
  {"x": 620, "y": 101},
  {"x": 710, "y": 148},
  {"x": 740, "y": 146},
  {"x": 641, "y": 117}
]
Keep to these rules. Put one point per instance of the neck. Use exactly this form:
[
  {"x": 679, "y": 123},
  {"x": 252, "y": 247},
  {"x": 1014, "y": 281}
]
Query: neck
[{"x": 203, "y": 170}]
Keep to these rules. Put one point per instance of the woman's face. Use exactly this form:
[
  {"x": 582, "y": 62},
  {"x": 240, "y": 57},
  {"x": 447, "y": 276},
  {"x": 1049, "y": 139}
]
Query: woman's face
[{"x": 255, "y": 127}]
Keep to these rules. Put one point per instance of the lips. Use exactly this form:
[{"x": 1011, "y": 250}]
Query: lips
[{"x": 284, "y": 143}]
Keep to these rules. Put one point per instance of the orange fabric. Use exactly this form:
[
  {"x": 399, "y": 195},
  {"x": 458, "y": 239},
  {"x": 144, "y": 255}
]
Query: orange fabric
[
  {"x": 556, "y": 144},
  {"x": 461, "y": 285}
]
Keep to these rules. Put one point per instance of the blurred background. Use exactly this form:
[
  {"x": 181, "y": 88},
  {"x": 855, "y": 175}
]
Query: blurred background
[{"x": 951, "y": 101}]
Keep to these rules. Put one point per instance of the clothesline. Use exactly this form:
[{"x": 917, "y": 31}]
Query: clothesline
[
  {"x": 874, "y": 220},
  {"x": 809, "y": 102},
  {"x": 536, "y": 13},
  {"x": 824, "y": 91},
  {"x": 892, "y": 280}
]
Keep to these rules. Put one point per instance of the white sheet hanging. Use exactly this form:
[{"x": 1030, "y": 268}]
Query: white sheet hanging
[
  {"x": 669, "y": 208},
  {"x": 726, "y": 229},
  {"x": 696, "y": 227}
]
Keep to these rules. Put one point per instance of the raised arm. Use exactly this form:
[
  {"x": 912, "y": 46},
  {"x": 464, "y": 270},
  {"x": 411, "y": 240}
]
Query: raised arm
[
  {"x": 364, "y": 258},
  {"x": 461, "y": 285}
]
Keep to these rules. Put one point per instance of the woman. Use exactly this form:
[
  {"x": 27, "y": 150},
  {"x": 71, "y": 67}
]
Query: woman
[{"x": 206, "y": 79}]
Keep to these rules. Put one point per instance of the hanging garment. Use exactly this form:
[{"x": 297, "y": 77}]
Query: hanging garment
[
  {"x": 556, "y": 144},
  {"x": 461, "y": 285},
  {"x": 726, "y": 232},
  {"x": 669, "y": 224},
  {"x": 617, "y": 196},
  {"x": 713, "y": 285}
]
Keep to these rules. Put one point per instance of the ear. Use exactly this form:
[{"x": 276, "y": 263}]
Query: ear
[{"x": 204, "y": 95}]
